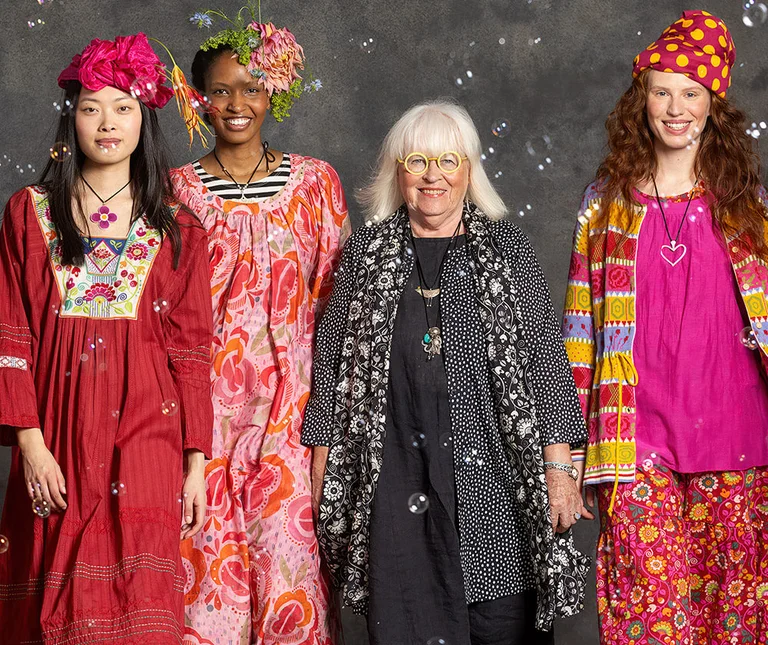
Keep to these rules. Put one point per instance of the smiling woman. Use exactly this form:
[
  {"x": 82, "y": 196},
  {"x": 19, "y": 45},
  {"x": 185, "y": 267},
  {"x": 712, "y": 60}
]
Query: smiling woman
[
  {"x": 276, "y": 222},
  {"x": 442, "y": 411},
  {"x": 105, "y": 336},
  {"x": 667, "y": 274}
]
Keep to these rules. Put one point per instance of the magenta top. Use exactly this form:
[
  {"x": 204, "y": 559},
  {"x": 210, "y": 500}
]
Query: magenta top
[{"x": 702, "y": 403}]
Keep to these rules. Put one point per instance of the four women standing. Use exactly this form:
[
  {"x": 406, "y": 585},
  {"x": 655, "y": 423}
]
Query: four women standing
[{"x": 442, "y": 415}]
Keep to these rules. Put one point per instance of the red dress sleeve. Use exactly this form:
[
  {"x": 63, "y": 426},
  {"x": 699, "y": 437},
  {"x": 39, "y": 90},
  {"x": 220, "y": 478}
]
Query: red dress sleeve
[
  {"x": 18, "y": 401},
  {"x": 189, "y": 335}
]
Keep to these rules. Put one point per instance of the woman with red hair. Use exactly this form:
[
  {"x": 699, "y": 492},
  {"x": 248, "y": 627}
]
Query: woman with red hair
[{"x": 669, "y": 352}]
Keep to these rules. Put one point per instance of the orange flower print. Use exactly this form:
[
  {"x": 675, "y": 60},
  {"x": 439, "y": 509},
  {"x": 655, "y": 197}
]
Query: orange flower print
[
  {"x": 292, "y": 612},
  {"x": 656, "y": 565},
  {"x": 193, "y": 561},
  {"x": 648, "y": 533},
  {"x": 266, "y": 490},
  {"x": 698, "y": 512}
]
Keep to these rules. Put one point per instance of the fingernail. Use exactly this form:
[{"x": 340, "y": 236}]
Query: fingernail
[{"x": 188, "y": 519}]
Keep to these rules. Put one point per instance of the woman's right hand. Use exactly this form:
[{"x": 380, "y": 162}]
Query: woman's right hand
[
  {"x": 42, "y": 474},
  {"x": 319, "y": 459},
  {"x": 588, "y": 495}
]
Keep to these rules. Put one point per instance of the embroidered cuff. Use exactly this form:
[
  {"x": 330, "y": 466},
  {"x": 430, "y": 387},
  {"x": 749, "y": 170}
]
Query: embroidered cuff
[{"x": 14, "y": 362}]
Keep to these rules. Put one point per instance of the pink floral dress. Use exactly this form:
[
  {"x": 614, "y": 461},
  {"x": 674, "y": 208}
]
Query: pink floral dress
[{"x": 254, "y": 572}]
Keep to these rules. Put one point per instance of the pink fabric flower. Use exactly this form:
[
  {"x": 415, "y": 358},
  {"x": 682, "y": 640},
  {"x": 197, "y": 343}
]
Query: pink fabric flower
[
  {"x": 279, "y": 57},
  {"x": 120, "y": 63},
  {"x": 104, "y": 217}
]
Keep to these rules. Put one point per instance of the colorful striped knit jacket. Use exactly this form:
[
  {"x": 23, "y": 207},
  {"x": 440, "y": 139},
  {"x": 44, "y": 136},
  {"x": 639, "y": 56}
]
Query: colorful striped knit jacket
[{"x": 599, "y": 328}]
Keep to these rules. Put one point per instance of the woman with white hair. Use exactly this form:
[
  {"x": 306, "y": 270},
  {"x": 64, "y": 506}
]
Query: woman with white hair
[{"x": 443, "y": 411}]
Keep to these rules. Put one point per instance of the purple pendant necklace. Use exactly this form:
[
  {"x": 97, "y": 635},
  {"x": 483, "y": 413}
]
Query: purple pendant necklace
[{"x": 104, "y": 216}]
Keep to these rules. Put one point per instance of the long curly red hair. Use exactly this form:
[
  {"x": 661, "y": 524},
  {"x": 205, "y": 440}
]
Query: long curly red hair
[{"x": 726, "y": 161}]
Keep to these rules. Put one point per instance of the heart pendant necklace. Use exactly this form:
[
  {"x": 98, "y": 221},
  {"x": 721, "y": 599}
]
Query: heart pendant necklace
[{"x": 674, "y": 252}]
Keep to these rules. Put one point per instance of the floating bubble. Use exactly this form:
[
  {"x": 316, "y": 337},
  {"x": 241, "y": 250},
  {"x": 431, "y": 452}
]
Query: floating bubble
[
  {"x": 41, "y": 508},
  {"x": 501, "y": 128},
  {"x": 502, "y": 41},
  {"x": 748, "y": 339},
  {"x": 742, "y": 457},
  {"x": 368, "y": 45},
  {"x": 498, "y": 174},
  {"x": 649, "y": 461},
  {"x": 143, "y": 89},
  {"x": 534, "y": 41},
  {"x": 160, "y": 305},
  {"x": 446, "y": 441},
  {"x": 436, "y": 640},
  {"x": 115, "y": 414},
  {"x": 117, "y": 488},
  {"x": 418, "y": 440},
  {"x": 169, "y": 407},
  {"x": 35, "y": 23},
  {"x": 463, "y": 80},
  {"x": 60, "y": 151},
  {"x": 418, "y": 503},
  {"x": 755, "y": 14},
  {"x": 3, "y": 544},
  {"x": 83, "y": 357},
  {"x": 488, "y": 155}
]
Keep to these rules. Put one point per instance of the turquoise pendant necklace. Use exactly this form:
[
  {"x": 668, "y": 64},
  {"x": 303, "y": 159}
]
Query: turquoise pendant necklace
[{"x": 432, "y": 341}]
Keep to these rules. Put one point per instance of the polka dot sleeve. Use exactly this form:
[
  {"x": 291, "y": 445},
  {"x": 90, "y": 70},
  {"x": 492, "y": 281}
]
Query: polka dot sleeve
[{"x": 551, "y": 380}]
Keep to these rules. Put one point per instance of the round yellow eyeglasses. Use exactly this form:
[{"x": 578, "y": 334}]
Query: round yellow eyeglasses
[{"x": 417, "y": 163}]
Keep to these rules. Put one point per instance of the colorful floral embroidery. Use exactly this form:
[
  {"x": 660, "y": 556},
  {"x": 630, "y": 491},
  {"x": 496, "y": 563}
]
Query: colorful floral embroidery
[{"x": 112, "y": 282}]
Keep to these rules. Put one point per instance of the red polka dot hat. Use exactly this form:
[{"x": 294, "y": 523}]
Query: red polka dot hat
[{"x": 698, "y": 45}]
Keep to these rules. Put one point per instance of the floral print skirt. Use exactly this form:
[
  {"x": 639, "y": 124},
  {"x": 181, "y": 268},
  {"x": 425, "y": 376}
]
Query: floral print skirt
[{"x": 683, "y": 560}]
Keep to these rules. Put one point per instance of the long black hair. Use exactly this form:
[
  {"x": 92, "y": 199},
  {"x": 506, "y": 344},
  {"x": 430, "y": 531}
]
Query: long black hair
[{"x": 150, "y": 181}]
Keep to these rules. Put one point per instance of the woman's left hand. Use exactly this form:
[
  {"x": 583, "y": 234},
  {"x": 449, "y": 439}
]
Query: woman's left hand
[
  {"x": 565, "y": 502},
  {"x": 193, "y": 494}
]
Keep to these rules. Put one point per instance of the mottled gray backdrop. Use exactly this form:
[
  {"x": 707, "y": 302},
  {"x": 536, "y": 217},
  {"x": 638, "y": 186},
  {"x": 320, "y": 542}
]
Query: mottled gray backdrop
[{"x": 552, "y": 68}]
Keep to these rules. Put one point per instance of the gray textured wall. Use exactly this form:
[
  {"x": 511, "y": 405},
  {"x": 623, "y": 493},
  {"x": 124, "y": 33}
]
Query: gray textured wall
[{"x": 552, "y": 68}]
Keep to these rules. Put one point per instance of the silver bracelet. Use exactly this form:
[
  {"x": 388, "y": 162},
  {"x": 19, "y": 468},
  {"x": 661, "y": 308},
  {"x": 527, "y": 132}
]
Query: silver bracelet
[{"x": 566, "y": 468}]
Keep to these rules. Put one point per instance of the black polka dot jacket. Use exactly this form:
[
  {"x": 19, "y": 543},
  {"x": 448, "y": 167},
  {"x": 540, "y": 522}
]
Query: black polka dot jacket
[{"x": 520, "y": 390}]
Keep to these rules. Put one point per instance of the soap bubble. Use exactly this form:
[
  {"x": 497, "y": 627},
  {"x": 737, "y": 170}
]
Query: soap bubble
[
  {"x": 649, "y": 461},
  {"x": 60, "y": 151},
  {"x": 3, "y": 544},
  {"x": 446, "y": 441},
  {"x": 117, "y": 488},
  {"x": 755, "y": 14},
  {"x": 160, "y": 305},
  {"x": 747, "y": 338},
  {"x": 368, "y": 45},
  {"x": 169, "y": 407},
  {"x": 143, "y": 89},
  {"x": 464, "y": 79},
  {"x": 418, "y": 503},
  {"x": 501, "y": 128},
  {"x": 418, "y": 440},
  {"x": 436, "y": 640},
  {"x": 41, "y": 508}
]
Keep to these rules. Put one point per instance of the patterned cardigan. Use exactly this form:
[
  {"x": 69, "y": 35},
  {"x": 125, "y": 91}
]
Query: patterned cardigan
[{"x": 599, "y": 327}]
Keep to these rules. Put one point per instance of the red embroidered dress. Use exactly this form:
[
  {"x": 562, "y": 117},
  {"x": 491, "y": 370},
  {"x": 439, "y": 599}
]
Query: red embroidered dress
[{"x": 111, "y": 361}]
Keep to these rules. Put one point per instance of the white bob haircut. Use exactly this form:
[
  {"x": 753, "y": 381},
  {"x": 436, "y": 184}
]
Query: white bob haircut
[{"x": 432, "y": 128}]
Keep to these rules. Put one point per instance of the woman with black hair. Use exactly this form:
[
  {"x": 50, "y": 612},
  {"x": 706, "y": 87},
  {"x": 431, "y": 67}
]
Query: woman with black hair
[
  {"x": 105, "y": 333},
  {"x": 276, "y": 223}
]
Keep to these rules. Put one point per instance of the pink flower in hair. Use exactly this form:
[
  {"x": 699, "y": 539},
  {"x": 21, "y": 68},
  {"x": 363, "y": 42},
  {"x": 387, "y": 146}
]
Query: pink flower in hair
[
  {"x": 119, "y": 63},
  {"x": 278, "y": 58}
]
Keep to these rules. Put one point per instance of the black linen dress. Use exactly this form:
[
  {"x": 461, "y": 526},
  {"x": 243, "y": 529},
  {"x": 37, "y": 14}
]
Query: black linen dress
[{"x": 416, "y": 577}]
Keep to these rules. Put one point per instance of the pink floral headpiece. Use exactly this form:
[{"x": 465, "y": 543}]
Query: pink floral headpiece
[
  {"x": 128, "y": 63},
  {"x": 270, "y": 54},
  {"x": 277, "y": 60}
]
